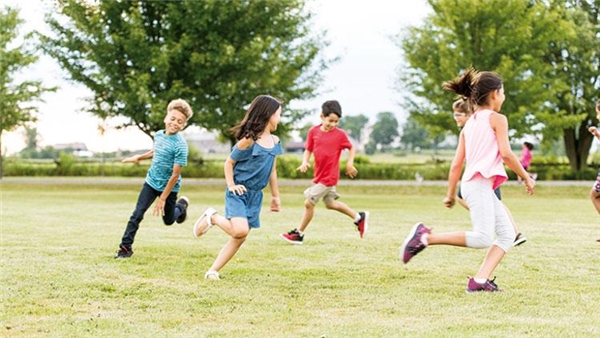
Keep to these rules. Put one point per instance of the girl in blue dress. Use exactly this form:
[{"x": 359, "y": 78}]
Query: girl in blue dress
[{"x": 248, "y": 169}]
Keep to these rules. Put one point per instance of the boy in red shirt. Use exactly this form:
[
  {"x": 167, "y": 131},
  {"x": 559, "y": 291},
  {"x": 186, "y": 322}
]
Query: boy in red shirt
[{"x": 326, "y": 141}]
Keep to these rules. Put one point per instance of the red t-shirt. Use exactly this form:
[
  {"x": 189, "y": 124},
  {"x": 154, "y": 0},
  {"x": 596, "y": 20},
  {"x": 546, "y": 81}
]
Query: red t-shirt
[{"x": 327, "y": 148}]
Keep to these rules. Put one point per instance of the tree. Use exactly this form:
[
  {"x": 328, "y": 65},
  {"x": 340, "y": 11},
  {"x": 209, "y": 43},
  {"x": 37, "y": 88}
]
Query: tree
[
  {"x": 513, "y": 37},
  {"x": 136, "y": 56},
  {"x": 16, "y": 98},
  {"x": 414, "y": 135},
  {"x": 385, "y": 131},
  {"x": 354, "y": 125},
  {"x": 576, "y": 63}
]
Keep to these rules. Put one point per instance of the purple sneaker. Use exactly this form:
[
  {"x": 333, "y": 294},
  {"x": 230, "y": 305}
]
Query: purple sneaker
[
  {"x": 412, "y": 244},
  {"x": 489, "y": 286}
]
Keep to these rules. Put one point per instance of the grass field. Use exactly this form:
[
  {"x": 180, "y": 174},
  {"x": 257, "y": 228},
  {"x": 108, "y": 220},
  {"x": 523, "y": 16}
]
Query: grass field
[{"x": 59, "y": 278}]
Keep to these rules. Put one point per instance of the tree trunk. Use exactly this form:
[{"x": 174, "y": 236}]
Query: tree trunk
[{"x": 577, "y": 145}]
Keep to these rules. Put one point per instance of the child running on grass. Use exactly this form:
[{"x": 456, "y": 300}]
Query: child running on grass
[
  {"x": 251, "y": 165},
  {"x": 595, "y": 192},
  {"x": 461, "y": 110},
  {"x": 326, "y": 141},
  {"x": 484, "y": 144},
  {"x": 163, "y": 180}
]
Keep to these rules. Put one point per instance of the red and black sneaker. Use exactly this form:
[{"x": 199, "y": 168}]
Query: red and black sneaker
[
  {"x": 363, "y": 224},
  {"x": 293, "y": 237}
]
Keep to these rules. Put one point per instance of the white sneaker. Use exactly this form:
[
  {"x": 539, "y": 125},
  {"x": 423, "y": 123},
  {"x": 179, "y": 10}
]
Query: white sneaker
[
  {"x": 203, "y": 224},
  {"x": 212, "y": 275}
]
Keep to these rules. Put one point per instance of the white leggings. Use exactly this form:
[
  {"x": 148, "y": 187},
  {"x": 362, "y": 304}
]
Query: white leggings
[{"x": 487, "y": 215}]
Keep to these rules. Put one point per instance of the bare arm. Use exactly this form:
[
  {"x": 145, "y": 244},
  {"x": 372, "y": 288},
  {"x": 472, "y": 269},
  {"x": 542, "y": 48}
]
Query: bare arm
[
  {"x": 138, "y": 158},
  {"x": 228, "y": 169},
  {"x": 159, "y": 209},
  {"x": 351, "y": 171},
  {"x": 273, "y": 185},
  {"x": 305, "y": 161},
  {"x": 594, "y": 131},
  {"x": 454, "y": 173},
  {"x": 500, "y": 125}
]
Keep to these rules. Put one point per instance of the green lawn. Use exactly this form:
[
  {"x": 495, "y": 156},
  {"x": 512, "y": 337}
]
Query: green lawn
[{"x": 59, "y": 278}]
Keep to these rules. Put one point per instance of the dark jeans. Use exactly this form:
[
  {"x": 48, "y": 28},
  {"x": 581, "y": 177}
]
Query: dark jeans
[{"x": 147, "y": 196}]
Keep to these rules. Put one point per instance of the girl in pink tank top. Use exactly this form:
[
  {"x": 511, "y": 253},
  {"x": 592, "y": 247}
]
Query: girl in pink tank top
[{"x": 484, "y": 144}]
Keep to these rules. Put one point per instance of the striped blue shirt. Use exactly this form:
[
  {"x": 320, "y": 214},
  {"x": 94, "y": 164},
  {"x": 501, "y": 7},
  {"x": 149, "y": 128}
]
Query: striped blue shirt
[{"x": 168, "y": 151}]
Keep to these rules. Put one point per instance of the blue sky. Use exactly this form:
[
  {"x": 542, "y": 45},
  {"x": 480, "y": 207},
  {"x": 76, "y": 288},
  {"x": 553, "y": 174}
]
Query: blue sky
[{"x": 363, "y": 80}]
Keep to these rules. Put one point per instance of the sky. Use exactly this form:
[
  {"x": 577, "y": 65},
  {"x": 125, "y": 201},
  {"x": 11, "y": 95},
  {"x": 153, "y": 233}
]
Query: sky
[{"x": 363, "y": 80}]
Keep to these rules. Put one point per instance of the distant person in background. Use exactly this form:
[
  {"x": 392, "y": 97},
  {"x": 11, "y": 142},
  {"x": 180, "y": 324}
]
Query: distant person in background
[
  {"x": 461, "y": 111},
  {"x": 163, "y": 180},
  {"x": 525, "y": 158},
  {"x": 595, "y": 192},
  {"x": 326, "y": 141}
]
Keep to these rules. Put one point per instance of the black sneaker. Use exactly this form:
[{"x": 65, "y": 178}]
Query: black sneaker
[
  {"x": 520, "y": 239},
  {"x": 293, "y": 237},
  {"x": 124, "y": 252},
  {"x": 184, "y": 201}
]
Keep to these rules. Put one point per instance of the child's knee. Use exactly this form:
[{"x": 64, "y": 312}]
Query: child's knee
[
  {"x": 308, "y": 204},
  {"x": 479, "y": 240}
]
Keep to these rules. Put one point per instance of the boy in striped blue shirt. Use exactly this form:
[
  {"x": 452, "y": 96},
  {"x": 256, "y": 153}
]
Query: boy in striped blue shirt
[{"x": 163, "y": 180}]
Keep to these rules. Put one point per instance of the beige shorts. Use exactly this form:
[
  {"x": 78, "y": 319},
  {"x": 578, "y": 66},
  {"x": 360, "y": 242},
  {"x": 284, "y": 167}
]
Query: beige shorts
[{"x": 318, "y": 191}]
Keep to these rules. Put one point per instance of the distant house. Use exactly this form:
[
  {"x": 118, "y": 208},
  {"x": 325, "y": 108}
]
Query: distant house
[
  {"x": 79, "y": 149},
  {"x": 207, "y": 143},
  {"x": 293, "y": 146}
]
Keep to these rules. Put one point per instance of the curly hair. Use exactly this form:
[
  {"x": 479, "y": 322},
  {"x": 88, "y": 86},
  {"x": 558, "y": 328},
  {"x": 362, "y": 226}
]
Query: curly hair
[{"x": 181, "y": 106}]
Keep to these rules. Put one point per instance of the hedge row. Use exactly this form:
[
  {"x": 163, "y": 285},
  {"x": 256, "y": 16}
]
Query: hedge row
[{"x": 286, "y": 168}]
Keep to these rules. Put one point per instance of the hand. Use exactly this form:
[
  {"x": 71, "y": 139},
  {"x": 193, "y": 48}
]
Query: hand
[
  {"x": 351, "y": 171},
  {"x": 275, "y": 204},
  {"x": 237, "y": 189},
  {"x": 592, "y": 130},
  {"x": 159, "y": 209},
  {"x": 449, "y": 202},
  {"x": 529, "y": 186},
  {"x": 132, "y": 159},
  {"x": 303, "y": 167}
]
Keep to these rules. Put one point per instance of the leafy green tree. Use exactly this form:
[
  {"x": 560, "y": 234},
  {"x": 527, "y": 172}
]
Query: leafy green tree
[
  {"x": 576, "y": 64},
  {"x": 512, "y": 37},
  {"x": 354, "y": 125},
  {"x": 136, "y": 56},
  {"x": 384, "y": 131},
  {"x": 16, "y": 97},
  {"x": 414, "y": 135}
]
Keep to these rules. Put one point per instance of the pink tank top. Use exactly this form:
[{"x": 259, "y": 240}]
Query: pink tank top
[{"x": 481, "y": 149}]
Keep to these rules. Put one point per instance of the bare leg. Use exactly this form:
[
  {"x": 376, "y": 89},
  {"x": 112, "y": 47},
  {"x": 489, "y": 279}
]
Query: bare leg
[
  {"x": 595, "y": 197},
  {"x": 462, "y": 202},
  {"x": 458, "y": 238},
  {"x": 491, "y": 261},
  {"x": 227, "y": 252},
  {"x": 512, "y": 221},
  {"x": 238, "y": 229},
  {"x": 341, "y": 207},
  {"x": 309, "y": 212}
]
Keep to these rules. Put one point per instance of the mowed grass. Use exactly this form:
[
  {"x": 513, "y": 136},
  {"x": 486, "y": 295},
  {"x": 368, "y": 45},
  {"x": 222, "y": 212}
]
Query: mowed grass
[{"x": 59, "y": 278}]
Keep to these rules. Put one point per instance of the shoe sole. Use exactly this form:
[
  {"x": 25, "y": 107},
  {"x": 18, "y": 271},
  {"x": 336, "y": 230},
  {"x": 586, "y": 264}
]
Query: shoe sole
[
  {"x": 208, "y": 212},
  {"x": 366, "y": 227},
  {"x": 520, "y": 241},
  {"x": 287, "y": 240},
  {"x": 410, "y": 236}
]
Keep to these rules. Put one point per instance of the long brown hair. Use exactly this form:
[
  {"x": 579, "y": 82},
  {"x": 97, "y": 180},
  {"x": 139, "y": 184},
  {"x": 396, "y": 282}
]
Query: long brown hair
[{"x": 257, "y": 117}]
